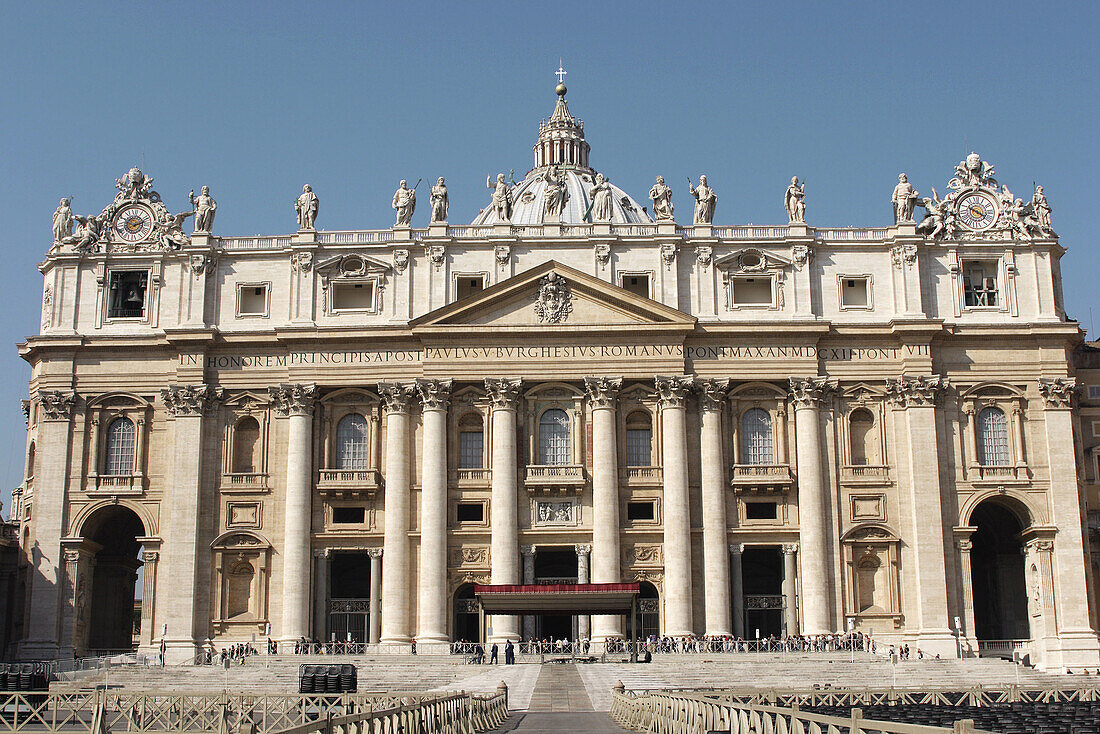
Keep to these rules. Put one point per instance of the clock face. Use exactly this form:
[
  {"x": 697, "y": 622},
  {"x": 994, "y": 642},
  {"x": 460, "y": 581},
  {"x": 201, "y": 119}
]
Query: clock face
[
  {"x": 977, "y": 211},
  {"x": 133, "y": 224}
]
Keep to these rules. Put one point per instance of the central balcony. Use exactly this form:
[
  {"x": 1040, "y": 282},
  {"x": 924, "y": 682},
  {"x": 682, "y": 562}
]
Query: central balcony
[
  {"x": 641, "y": 476},
  {"x": 561, "y": 477},
  {"x": 865, "y": 474},
  {"x": 990, "y": 474},
  {"x": 116, "y": 484},
  {"x": 761, "y": 478},
  {"x": 471, "y": 477},
  {"x": 349, "y": 483}
]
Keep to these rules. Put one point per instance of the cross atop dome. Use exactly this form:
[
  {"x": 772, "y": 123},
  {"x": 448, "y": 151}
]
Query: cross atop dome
[
  {"x": 560, "y": 72},
  {"x": 561, "y": 138}
]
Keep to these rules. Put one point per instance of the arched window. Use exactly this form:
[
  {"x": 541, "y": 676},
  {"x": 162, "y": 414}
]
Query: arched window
[
  {"x": 554, "y": 446},
  {"x": 119, "y": 447},
  {"x": 352, "y": 443},
  {"x": 246, "y": 444},
  {"x": 240, "y": 589},
  {"x": 861, "y": 432},
  {"x": 639, "y": 439},
  {"x": 471, "y": 442},
  {"x": 992, "y": 437},
  {"x": 756, "y": 437}
]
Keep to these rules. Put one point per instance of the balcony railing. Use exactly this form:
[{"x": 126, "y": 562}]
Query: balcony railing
[
  {"x": 349, "y": 482},
  {"x": 117, "y": 483},
  {"x": 865, "y": 474},
  {"x": 244, "y": 480},
  {"x": 545, "y": 476},
  {"x": 472, "y": 477},
  {"x": 1002, "y": 648},
  {"x": 761, "y": 477},
  {"x": 1008, "y": 473},
  {"x": 641, "y": 475}
]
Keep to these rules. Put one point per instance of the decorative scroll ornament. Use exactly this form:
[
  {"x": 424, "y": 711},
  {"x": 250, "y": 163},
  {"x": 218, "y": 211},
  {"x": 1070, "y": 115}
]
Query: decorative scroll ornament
[
  {"x": 810, "y": 391},
  {"x": 502, "y": 254},
  {"x": 203, "y": 265},
  {"x": 703, "y": 256},
  {"x": 800, "y": 255},
  {"x": 712, "y": 394},
  {"x": 436, "y": 255},
  {"x": 47, "y": 307},
  {"x": 434, "y": 394},
  {"x": 477, "y": 556},
  {"x": 642, "y": 555},
  {"x": 395, "y": 396},
  {"x": 668, "y": 255},
  {"x": 915, "y": 391},
  {"x": 302, "y": 262},
  {"x": 1057, "y": 392},
  {"x": 602, "y": 391},
  {"x": 555, "y": 302},
  {"x": 293, "y": 399},
  {"x": 374, "y": 552},
  {"x": 582, "y": 549},
  {"x": 603, "y": 254},
  {"x": 903, "y": 255},
  {"x": 672, "y": 391},
  {"x": 190, "y": 399},
  {"x": 25, "y": 406},
  {"x": 503, "y": 392},
  {"x": 57, "y": 405},
  {"x": 400, "y": 259}
]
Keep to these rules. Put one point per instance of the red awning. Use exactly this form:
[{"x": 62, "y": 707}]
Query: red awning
[{"x": 512, "y": 599}]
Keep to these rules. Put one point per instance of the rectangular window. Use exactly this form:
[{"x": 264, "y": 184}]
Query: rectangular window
[
  {"x": 251, "y": 300},
  {"x": 468, "y": 285},
  {"x": 353, "y": 296},
  {"x": 1094, "y": 392},
  {"x": 470, "y": 512},
  {"x": 980, "y": 284},
  {"x": 855, "y": 292},
  {"x": 471, "y": 450},
  {"x": 641, "y": 510},
  {"x": 1096, "y": 428},
  {"x": 348, "y": 515},
  {"x": 761, "y": 510},
  {"x": 638, "y": 451},
  {"x": 126, "y": 297},
  {"x": 754, "y": 291},
  {"x": 636, "y": 284}
]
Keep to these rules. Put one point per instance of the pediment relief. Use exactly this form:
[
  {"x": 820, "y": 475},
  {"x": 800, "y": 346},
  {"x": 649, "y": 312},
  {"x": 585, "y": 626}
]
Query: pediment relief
[
  {"x": 118, "y": 401},
  {"x": 235, "y": 539},
  {"x": 351, "y": 265},
  {"x": 750, "y": 260},
  {"x": 863, "y": 392},
  {"x": 351, "y": 396},
  {"x": 248, "y": 401},
  {"x": 870, "y": 532}
]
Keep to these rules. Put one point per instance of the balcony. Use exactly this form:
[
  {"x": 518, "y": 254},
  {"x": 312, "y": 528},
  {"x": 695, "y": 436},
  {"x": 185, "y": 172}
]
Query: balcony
[
  {"x": 349, "y": 483},
  {"x": 761, "y": 478},
  {"x": 547, "y": 478},
  {"x": 641, "y": 476},
  {"x": 244, "y": 482},
  {"x": 471, "y": 477},
  {"x": 116, "y": 484},
  {"x": 997, "y": 475},
  {"x": 865, "y": 474}
]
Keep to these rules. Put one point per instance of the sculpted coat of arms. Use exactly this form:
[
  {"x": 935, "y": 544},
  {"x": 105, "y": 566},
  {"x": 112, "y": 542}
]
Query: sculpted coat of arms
[{"x": 555, "y": 302}]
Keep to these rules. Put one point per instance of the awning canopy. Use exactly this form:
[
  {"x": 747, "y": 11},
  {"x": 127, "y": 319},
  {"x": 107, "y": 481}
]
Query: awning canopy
[{"x": 508, "y": 599}]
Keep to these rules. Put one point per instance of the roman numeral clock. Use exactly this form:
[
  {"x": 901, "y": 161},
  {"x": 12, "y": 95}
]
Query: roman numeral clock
[
  {"x": 133, "y": 223},
  {"x": 977, "y": 211}
]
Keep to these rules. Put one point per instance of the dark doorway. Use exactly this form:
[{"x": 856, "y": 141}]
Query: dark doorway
[
  {"x": 107, "y": 596},
  {"x": 997, "y": 574},
  {"x": 555, "y": 566},
  {"x": 348, "y": 597},
  {"x": 466, "y": 619},
  {"x": 649, "y": 616},
  {"x": 762, "y": 584}
]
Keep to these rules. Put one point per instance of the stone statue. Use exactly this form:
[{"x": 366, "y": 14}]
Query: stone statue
[
  {"x": 87, "y": 236},
  {"x": 904, "y": 199},
  {"x": 134, "y": 185},
  {"x": 795, "y": 201},
  {"x": 205, "y": 207},
  {"x": 306, "y": 207},
  {"x": 602, "y": 198},
  {"x": 973, "y": 171},
  {"x": 440, "y": 201},
  {"x": 63, "y": 221},
  {"x": 705, "y": 201},
  {"x": 555, "y": 194},
  {"x": 502, "y": 198},
  {"x": 935, "y": 219},
  {"x": 1041, "y": 210},
  {"x": 404, "y": 201},
  {"x": 662, "y": 200}
]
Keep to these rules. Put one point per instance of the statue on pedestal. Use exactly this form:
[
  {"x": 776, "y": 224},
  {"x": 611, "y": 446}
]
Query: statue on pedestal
[
  {"x": 305, "y": 206},
  {"x": 602, "y": 198},
  {"x": 795, "y": 201},
  {"x": 705, "y": 201},
  {"x": 502, "y": 198},
  {"x": 1041, "y": 210},
  {"x": 404, "y": 202},
  {"x": 554, "y": 195},
  {"x": 440, "y": 201},
  {"x": 661, "y": 194},
  {"x": 205, "y": 208},
  {"x": 904, "y": 199},
  {"x": 63, "y": 221}
]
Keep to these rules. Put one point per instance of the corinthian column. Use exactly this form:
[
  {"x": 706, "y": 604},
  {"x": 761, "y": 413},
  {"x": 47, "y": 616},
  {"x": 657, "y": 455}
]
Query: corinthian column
[
  {"x": 395, "y": 531},
  {"x": 296, "y": 402},
  {"x": 504, "y": 524},
  {"x": 602, "y": 392},
  {"x": 51, "y": 483},
  {"x": 583, "y": 550},
  {"x": 432, "y": 605},
  {"x": 672, "y": 395},
  {"x": 807, "y": 395},
  {"x": 716, "y": 568},
  {"x": 186, "y": 405}
]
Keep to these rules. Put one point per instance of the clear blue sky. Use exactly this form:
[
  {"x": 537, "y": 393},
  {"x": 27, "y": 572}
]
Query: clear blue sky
[{"x": 255, "y": 99}]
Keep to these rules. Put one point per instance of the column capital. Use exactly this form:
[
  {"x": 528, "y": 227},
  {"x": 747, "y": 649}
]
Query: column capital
[
  {"x": 789, "y": 549},
  {"x": 434, "y": 394},
  {"x": 737, "y": 548},
  {"x": 1039, "y": 545},
  {"x": 293, "y": 399},
  {"x": 527, "y": 550},
  {"x": 602, "y": 391},
  {"x": 964, "y": 544},
  {"x": 909, "y": 392},
  {"x": 810, "y": 392},
  {"x": 150, "y": 556},
  {"x": 583, "y": 549},
  {"x": 374, "y": 552},
  {"x": 396, "y": 396},
  {"x": 1057, "y": 392},
  {"x": 503, "y": 392},
  {"x": 56, "y": 404},
  {"x": 712, "y": 394},
  {"x": 672, "y": 390},
  {"x": 184, "y": 400},
  {"x": 322, "y": 552}
]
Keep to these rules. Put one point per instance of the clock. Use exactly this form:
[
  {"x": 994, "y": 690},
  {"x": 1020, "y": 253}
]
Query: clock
[
  {"x": 133, "y": 224},
  {"x": 977, "y": 211}
]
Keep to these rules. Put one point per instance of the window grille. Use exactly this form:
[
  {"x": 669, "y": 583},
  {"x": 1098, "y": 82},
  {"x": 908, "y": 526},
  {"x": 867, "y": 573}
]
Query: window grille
[
  {"x": 992, "y": 437},
  {"x": 554, "y": 447},
  {"x": 119, "y": 449},
  {"x": 352, "y": 443},
  {"x": 980, "y": 285},
  {"x": 756, "y": 437},
  {"x": 471, "y": 450},
  {"x": 639, "y": 442}
]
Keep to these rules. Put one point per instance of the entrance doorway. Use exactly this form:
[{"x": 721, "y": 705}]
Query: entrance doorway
[
  {"x": 649, "y": 617},
  {"x": 997, "y": 574},
  {"x": 555, "y": 566},
  {"x": 467, "y": 627},
  {"x": 349, "y": 597},
  {"x": 107, "y": 609},
  {"x": 762, "y": 584}
]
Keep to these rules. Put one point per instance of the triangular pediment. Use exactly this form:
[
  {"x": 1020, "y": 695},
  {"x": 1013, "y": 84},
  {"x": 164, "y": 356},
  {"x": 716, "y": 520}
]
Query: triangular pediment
[{"x": 554, "y": 295}]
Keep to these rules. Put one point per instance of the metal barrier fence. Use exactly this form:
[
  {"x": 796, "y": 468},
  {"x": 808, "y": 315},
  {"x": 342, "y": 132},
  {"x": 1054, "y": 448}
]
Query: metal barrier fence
[
  {"x": 855, "y": 697},
  {"x": 87, "y": 711},
  {"x": 685, "y": 713},
  {"x": 455, "y": 714}
]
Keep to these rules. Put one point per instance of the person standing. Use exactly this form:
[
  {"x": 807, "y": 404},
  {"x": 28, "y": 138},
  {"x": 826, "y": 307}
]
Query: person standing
[{"x": 493, "y": 652}]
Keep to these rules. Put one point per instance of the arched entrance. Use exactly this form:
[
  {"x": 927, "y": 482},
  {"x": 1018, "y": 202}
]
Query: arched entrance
[
  {"x": 649, "y": 619},
  {"x": 107, "y": 612},
  {"x": 997, "y": 573},
  {"x": 466, "y": 619}
]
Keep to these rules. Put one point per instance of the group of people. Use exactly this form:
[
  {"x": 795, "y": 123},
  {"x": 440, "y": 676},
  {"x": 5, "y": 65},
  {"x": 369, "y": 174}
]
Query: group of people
[
  {"x": 234, "y": 653},
  {"x": 475, "y": 652}
]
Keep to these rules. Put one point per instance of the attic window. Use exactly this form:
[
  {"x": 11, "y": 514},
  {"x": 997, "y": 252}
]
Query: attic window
[
  {"x": 636, "y": 284},
  {"x": 353, "y": 296},
  {"x": 754, "y": 291},
  {"x": 468, "y": 285}
]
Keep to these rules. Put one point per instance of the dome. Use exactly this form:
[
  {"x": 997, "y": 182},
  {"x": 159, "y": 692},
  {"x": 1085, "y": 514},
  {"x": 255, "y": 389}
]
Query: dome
[{"x": 562, "y": 151}]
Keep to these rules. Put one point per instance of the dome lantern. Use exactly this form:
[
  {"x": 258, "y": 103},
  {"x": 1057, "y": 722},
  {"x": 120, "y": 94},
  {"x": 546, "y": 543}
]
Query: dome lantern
[{"x": 561, "y": 138}]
